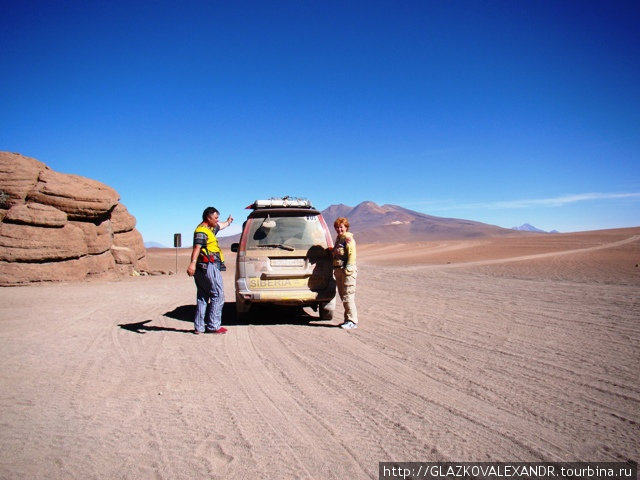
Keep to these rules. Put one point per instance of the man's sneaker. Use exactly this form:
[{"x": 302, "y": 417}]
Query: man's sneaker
[
  {"x": 218, "y": 331},
  {"x": 349, "y": 325}
]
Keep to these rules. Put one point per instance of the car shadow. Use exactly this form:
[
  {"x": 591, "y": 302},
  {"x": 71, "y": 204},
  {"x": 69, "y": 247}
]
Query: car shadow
[{"x": 263, "y": 315}]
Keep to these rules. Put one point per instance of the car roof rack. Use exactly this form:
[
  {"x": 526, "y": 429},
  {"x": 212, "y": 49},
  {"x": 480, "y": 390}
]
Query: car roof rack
[{"x": 281, "y": 202}]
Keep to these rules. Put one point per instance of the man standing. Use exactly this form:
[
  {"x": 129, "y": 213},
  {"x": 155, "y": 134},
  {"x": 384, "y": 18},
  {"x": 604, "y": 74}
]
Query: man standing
[{"x": 205, "y": 268}]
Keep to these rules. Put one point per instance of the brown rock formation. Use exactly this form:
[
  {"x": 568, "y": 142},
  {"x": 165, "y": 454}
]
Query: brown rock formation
[
  {"x": 27, "y": 243},
  {"x": 81, "y": 198},
  {"x": 98, "y": 238},
  {"x": 37, "y": 215},
  {"x": 122, "y": 220},
  {"x": 18, "y": 176},
  {"x": 62, "y": 227}
]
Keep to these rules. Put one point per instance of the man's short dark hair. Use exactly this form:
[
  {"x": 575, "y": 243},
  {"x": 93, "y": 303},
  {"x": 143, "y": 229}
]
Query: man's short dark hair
[{"x": 209, "y": 211}]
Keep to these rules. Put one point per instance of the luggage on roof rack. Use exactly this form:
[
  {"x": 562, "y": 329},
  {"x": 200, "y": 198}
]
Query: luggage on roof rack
[{"x": 283, "y": 202}]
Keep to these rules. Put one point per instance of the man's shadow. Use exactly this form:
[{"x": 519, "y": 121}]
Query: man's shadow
[
  {"x": 262, "y": 315},
  {"x": 143, "y": 327}
]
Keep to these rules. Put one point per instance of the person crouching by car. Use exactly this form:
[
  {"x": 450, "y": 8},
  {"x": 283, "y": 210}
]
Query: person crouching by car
[
  {"x": 206, "y": 260},
  {"x": 345, "y": 271}
]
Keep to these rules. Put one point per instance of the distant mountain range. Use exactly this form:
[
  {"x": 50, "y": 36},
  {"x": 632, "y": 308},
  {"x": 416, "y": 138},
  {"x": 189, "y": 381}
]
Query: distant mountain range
[
  {"x": 525, "y": 227},
  {"x": 372, "y": 223},
  {"x": 154, "y": 245}
]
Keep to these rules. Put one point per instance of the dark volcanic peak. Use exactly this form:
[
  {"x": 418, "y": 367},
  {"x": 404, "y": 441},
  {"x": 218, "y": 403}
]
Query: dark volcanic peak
[
  {"x": 388, "y": 223},
  {"x": 369, "y": 212},
  {"x": 336, "y": 211}
]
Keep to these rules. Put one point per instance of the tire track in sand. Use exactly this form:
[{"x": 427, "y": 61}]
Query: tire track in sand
[
  {"x": 521, "y": 258},
  {"x": 284, "y": 424}
]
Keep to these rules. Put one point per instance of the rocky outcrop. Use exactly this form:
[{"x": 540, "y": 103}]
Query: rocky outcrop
[
  {"x": 31, "y": 244},
  {"x": 62, "y": 227},
  {"x": 18, "y": 176},
  {"x": 37, "y": 215},
  {"x": 80, "y": 198},
  {"x": 121, "y": 220}
]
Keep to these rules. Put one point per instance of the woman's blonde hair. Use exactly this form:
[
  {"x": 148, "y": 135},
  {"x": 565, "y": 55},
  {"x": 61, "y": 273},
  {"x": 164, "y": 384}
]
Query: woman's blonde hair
[{"x": 341, "y": 221}]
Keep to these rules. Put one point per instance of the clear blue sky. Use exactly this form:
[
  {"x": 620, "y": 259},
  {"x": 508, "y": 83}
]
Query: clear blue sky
[{"x": 503, "y": 112}]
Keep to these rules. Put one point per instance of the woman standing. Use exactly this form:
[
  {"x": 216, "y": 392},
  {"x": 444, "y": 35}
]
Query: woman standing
[{"x": 345, "y": 271}]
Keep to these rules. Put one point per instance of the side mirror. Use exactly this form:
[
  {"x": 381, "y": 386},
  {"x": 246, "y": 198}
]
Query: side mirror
[{"x": 234, "y": 247}]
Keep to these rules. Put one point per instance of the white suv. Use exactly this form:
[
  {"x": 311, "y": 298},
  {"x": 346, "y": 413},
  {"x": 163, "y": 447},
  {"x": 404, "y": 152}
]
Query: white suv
[{"x": 283, "y": 258}]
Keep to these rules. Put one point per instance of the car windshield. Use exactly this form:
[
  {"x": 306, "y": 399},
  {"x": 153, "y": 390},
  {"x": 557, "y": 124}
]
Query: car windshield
[{"x": 286, "y": 233}]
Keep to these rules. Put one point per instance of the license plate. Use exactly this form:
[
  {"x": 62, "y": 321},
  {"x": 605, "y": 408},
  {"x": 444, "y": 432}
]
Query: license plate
[{"x": 287, "y": 262}]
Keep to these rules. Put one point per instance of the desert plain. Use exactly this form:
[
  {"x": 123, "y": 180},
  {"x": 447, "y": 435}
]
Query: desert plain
[{"x": 523, "y": 348}]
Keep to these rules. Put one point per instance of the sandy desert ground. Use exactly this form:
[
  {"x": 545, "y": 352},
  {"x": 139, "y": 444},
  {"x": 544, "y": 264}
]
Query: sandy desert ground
[{"x": 523, "y": 348}]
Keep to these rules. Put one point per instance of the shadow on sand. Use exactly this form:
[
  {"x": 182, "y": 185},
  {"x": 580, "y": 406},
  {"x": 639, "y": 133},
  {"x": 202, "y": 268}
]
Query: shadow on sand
[
  {"x": 143, "y": 327},
  {"x": 266, "y": 315}
]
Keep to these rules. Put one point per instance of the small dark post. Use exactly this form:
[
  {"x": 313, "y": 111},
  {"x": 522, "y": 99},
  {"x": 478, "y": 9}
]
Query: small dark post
[{"x": 177, "y": 243}]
